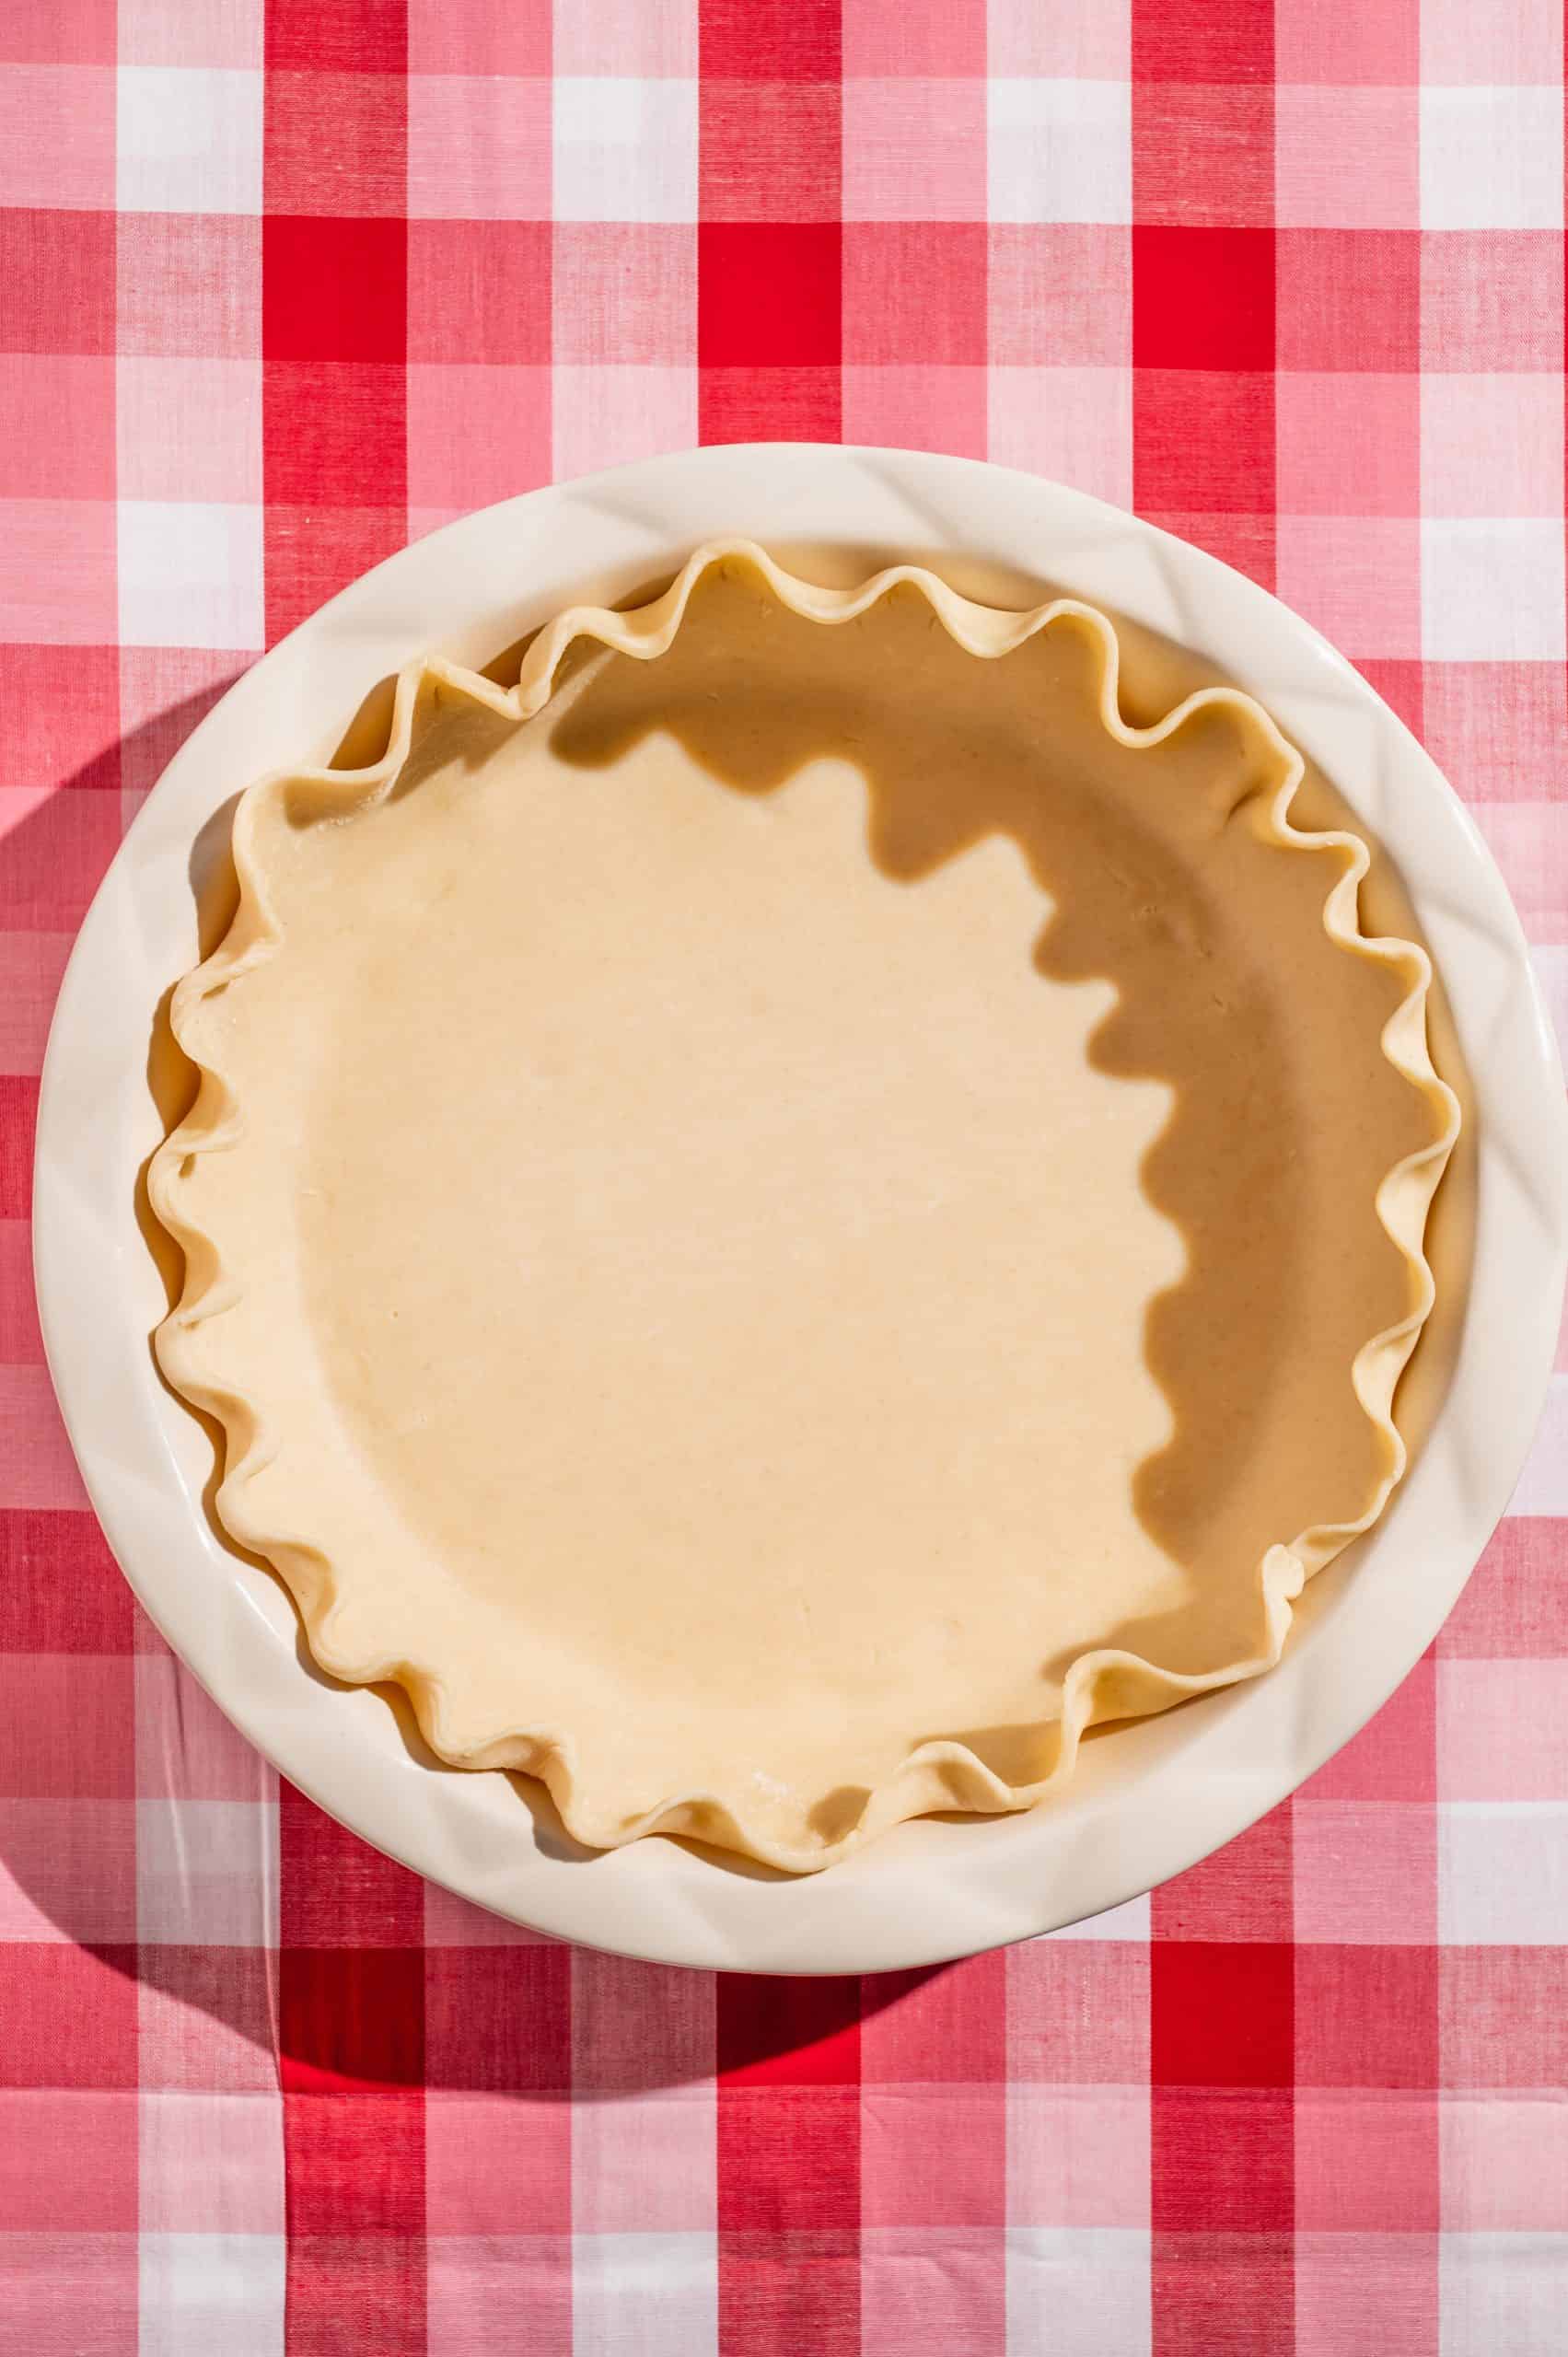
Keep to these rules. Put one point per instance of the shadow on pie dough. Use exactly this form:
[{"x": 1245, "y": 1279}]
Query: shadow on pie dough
[{"x": 780, "y": 1236}]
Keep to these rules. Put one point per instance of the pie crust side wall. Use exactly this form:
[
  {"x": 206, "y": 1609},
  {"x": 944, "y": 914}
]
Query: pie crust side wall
[{"x": 1103, "y": 1684}]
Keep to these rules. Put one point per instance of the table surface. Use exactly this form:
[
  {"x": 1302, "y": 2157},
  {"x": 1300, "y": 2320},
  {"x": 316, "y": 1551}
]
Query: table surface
[{"x": 280, "y": 289}]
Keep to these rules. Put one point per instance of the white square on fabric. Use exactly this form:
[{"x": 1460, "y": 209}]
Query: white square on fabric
[
  {"x": 191, "y": 575},
  {"x": 1060, "y": 150},
  {"x": 626, "y": 148},
  {"x": 188, "y": 139},
  {"x": 657, "y": 2294},
  {"x": 1502, "y": 1873},
  {"x": 1491, "y": 159},
  {"x": 1079, "y": 2291},
  {"x": 198, "y": 2293},
  {"x": 1491, "y": 589},
  {"x": 1501, "y": 2294},
  {"x": 206, "y": 1874}
]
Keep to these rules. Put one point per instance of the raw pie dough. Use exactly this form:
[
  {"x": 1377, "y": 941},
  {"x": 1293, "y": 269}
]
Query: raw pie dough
[{"x": 790, "y": 1213}]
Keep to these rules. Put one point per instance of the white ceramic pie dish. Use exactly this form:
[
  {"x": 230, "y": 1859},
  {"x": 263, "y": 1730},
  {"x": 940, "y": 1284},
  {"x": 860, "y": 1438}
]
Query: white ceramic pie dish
[{"x": 1154, "y": 1796}]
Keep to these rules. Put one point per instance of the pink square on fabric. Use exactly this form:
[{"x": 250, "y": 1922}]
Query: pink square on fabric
[
  {"x": 1526, "y": 839},
  {"x": 1347, "y": 46},
  {"x": 57, "y": 572},
  {"x": 1501, "y": 2020},
  {"x": 1495, "y": 730},
  {"x": 190, "y": 284},
  {"x": 497, "y": 37},
  {"x": 1077, "y": 2156},
  {"x": 638, "y": 2028},
  {"x": 208, "y": 2018},
  {"x": 630, "y": 37},
  {"x": 68, "y": 1871},
  {"x": 70, "y": 2016},
  {"x": 478, "y": 2287},
  {"x": 1504, "y": 2162},
  {"x": 1509, "y": 1608},
  {"x": 1356, "y": 578},
  {"x": 30, "y": 968},
  {"x": 479, "y": 148},
  {"x": 40, "y": 33},
  {"x": 1367, "y": 2157},
  {"x": 1203, "y": 155},
  {"x": 1078, "y": 2010},
  {"x": 1365, "y": 1871},
  {"x": 186, "y": 1749},
  {"x": 496, "y": 2163},
  {"x": 1365, "y": 2016},
  {"x": 335, "y": 144},
  {"x": 625, "y": 292},
  {"x": 910, "y": 408},
  {"x": 914, "y": 149},
  {"x": 927, "y": 37},
  {"x": 1242, "y": 1892},
  {"x": 93, "y": 2278},
  {"x": 1491, "y": 445},
  {"x": 643, "y": 2164},
  {"x": 932, "y": 2154},
  {"x": 937, "y": 2289},
  {"x": 190, "y": 429},
  {"x": 1364, "y": 2291},
  {"x": 1346, "y": 158},
  {"x": 1391, "y": 1759},
  {"x": 1348, "y": 444},
  {"x": 59, "y": 437},
  {"x": 914, "y": 292},
  {"x": 919, "y": 2027},
  {"x": 1491, "y": 299},
  {"x": 1463, "y": 45},
  {"x": 62, "y": 713},
  {"x": 188, "y": 32},
  {"x": 66, "y": 1727},
  {"x": 454, "y": 1922},
  {"x": 607, "y": 415},
  {"x": 1059, "y": 40},
  {"x": 1502, "y": 1730},
  {"x": 1060, "y": 294},
  {"x": 57, "y": 136},
  {"x": 210, "y": 2163},
  {"x": 1075, "y": 424},
  {"x": 67, "y": 2165},
  {"x": 476, "y": 433}
]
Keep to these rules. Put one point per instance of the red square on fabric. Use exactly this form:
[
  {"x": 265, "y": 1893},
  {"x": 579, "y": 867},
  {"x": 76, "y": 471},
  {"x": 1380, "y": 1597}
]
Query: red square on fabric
[
  {"x": 480, "y": 290},
  {"x": 499, "y": 2018},
  {"x": 1402, "y": 686},
  {"x": 1242, "y": 1892},
  {"x": 768, "y": 294},
  {"x": 350, "y": 2020},
  {"x": 1191, "y": 40},
  {"x": 1395, "y": 1756},
  {"x": 933, "y": 2156},
  {"x": 335, "y": 36},
  {"x": 496, "y": 2165},
  {"x": 18, "y": 1123},
  {"x": 1204, "y": 154},
  {"x": 636, "y": 2027},
  {"x": 770, "y": 404},
  {"x": 61, "y": 1590},
  {"x": 787, "y": 2033},
  {"x": 70, "y": 2016},
  {"x": 62, "y": 712},
  {"x": 67, "y": 1721},
  {"x": 1348, "y": 299},
  {"x": 1365, "y": 2016},
  {"x": 1203, "y": 298},
  {"x": 58, "y": 271},
  {"x": 914, "y": 292},
  {"x": 208, "y": 2018},
  {"x": 788, "y": 2164},
  {"x": 336, "y": 1890},
  {"x": 335, "y": 432},
  {"x": 312, "y": 552},
  {"x": 1203, "y": 441},
  {"x": 769, "y": 41},
  {"x": 355, "y": 2167},
  {"x": 334, "y": 289},
  {"x": 794, "y": 175},
  {"x": 1222, "y": 2014},
  {"x": 1222, "y": 2162}
]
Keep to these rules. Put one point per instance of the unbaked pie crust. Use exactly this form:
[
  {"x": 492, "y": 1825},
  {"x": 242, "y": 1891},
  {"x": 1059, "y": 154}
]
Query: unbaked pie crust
[{"x": 787, "y": 1214}]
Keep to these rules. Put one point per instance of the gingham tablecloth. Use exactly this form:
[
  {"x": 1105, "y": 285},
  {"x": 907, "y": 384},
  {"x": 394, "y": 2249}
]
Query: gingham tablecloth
[{"x": 280, "y": 288}]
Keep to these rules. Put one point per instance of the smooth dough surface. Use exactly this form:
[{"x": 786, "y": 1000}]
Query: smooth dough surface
[{"x": 789, "y": 1195}]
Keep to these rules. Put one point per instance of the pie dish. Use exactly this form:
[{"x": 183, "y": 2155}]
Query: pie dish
[{"x": 795, "y": 1209}]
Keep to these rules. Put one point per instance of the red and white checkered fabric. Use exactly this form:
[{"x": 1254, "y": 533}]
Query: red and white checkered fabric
[{"x": 280, "y": 287}]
